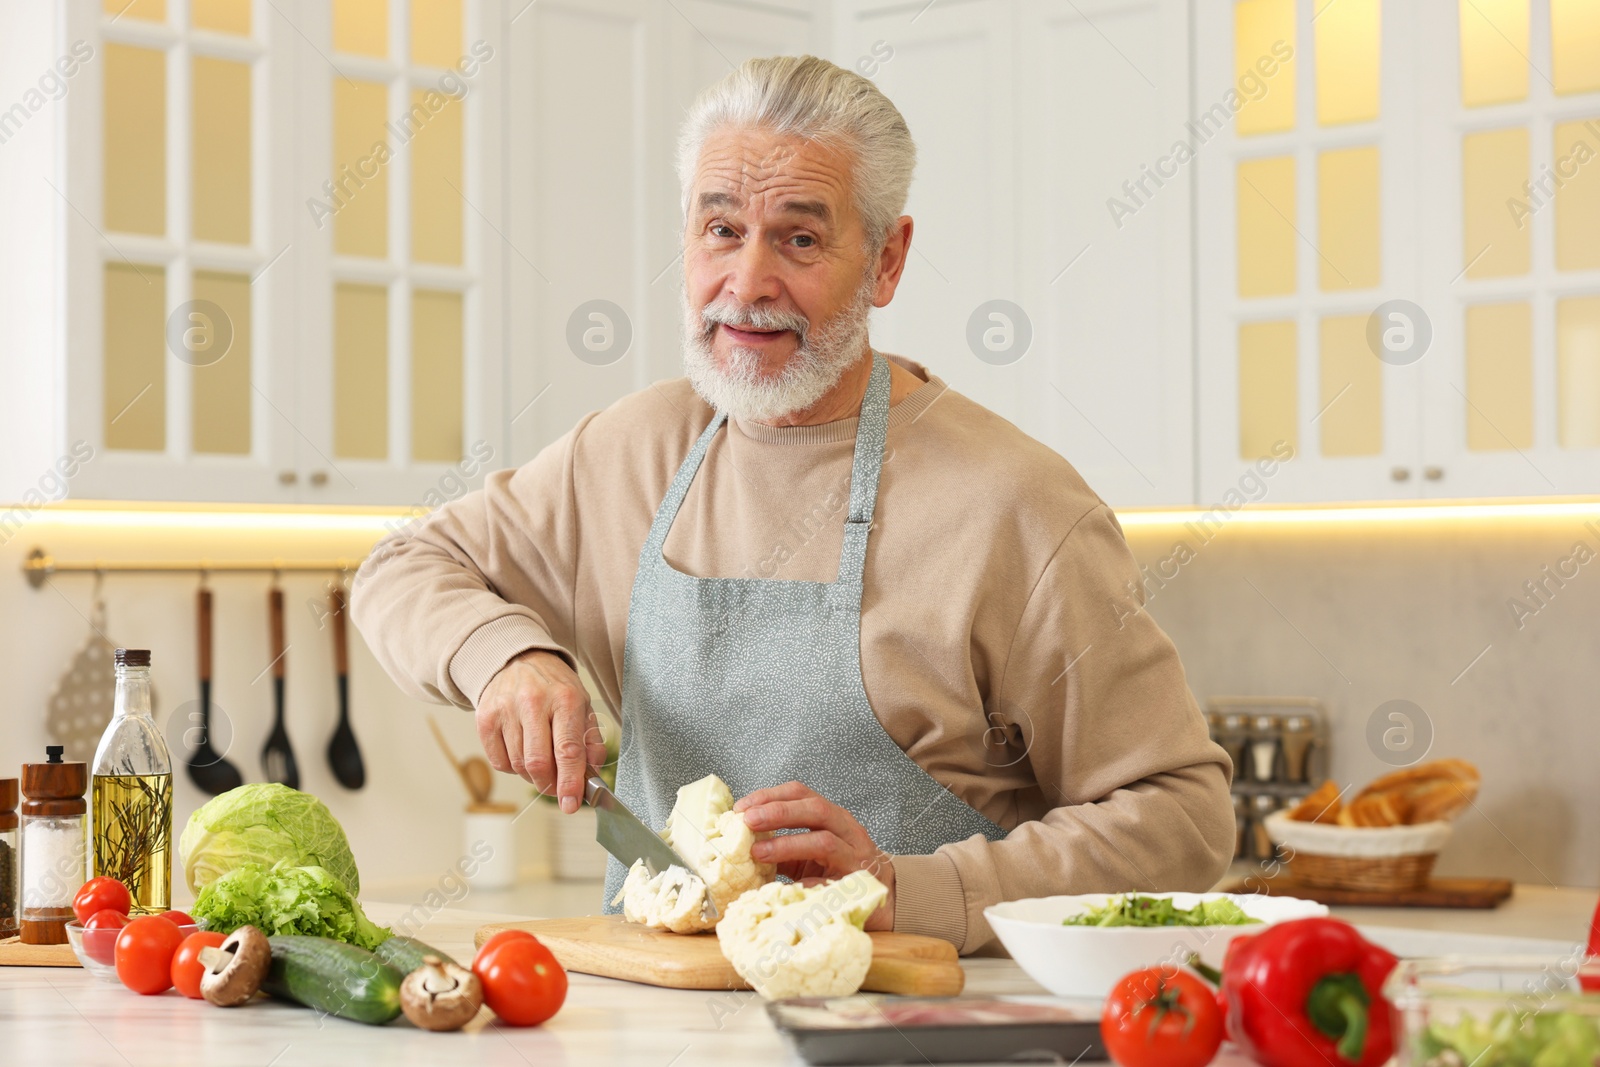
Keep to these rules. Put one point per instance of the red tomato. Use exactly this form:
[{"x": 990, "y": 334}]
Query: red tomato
[
  {"x": 501, "y": 938},
  {"x": 100, "y": 934},
  {"x": 186, "y": 966},
  {"x": 1161, "y": 1017},
  {"x": 522, "y": 982},
  {"x": 178, "y": 918},
  {"x": 144, "y": 954},
  {"x": 98, "y": 894}
]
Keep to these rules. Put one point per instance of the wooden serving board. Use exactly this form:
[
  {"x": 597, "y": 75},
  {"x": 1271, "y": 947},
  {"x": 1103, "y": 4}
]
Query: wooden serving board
[
  {"x": 1439, "y": 893},
  {"x": 609, "y": 946},
  {"x": 13, "y": 953}
]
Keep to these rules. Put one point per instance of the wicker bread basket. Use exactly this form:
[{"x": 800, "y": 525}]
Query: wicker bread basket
[{"x": 1377, "y": 859}]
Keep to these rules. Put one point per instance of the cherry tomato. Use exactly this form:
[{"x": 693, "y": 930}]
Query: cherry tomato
[
  {"x": 522, "y": 981},
  {"x": 144, "y": 954},
  {"x": 98, "y": 894},
  {"x": 187, "y": 969},
  {"x": 100, "y": 934},
  {"x": 178, "y": 918},
  {"x": 1161, "y": 1017}
]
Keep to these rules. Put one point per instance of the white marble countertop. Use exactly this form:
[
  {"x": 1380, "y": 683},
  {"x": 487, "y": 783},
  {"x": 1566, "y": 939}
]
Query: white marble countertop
[{"x": 65, "y": 1017}]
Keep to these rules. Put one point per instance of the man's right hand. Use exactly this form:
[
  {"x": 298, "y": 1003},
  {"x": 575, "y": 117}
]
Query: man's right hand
[{"x": 534, "y": 720}]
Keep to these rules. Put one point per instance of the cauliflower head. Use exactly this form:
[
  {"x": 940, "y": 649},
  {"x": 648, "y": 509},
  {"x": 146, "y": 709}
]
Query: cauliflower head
[
  {"x": 788, "y": 940},
  {"x": 714, "y": 841}
]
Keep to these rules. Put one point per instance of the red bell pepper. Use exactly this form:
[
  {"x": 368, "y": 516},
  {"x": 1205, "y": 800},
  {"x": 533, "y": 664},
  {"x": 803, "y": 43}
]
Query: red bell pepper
[{"x": 1308, "y": 993}]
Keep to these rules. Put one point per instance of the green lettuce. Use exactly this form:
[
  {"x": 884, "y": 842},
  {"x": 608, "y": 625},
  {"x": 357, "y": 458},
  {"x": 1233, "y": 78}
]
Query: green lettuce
[
  {"x": 264, "y": 824},
  {"x": 284, "y": 899},
  {"x": 1134, "y": 910}
]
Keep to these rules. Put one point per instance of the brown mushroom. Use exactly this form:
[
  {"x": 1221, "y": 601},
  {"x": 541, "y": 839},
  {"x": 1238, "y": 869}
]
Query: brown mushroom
[
  {"x": 440, "y": 995},
  {"x": 235, "y": 968}
]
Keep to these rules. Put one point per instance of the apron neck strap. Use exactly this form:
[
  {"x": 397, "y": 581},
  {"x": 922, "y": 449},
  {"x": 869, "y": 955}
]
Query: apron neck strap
[{"x": 872, "y": 431}]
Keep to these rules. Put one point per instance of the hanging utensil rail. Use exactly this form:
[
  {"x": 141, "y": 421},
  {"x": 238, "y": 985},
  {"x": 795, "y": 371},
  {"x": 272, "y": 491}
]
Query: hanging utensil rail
[{"x": 40, "y": 565}]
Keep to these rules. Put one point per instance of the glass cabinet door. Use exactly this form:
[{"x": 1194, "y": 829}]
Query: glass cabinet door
[
  {"x": 176, "y": 358},
  {"x": 398, "y": 388}
]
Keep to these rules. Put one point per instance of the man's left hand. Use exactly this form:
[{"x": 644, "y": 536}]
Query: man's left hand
[{"x": 835, "y": 845}]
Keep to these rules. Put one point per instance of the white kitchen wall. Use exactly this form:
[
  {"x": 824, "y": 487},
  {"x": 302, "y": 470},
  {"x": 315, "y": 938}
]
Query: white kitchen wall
[
  {"x": 1354, "y": 616},
  {"x": 1360, "y": 616},
  {"x": 404, "y": 826}
]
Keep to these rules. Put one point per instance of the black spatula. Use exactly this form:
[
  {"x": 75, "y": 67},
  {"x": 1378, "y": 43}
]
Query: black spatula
[
  {"x": 344, "y": 755},
  {"x": 208, "y": 769},
  {"x": 277, "y": 758}
]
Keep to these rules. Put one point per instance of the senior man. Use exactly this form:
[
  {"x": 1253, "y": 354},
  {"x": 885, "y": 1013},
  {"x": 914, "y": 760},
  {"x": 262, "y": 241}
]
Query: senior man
[{"x": 883, "y": 614}]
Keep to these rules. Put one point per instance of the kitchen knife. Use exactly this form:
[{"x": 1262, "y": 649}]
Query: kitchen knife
[{"x": 620, "y": 833}]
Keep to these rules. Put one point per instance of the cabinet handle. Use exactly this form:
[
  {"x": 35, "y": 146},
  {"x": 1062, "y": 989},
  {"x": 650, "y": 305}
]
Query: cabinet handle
[
  {"x": 1400, "y": 474},
  {"x": 287, "y": 477},
  {"x": 1433, "y": 474},
  {"x": 319, "y": 477}
]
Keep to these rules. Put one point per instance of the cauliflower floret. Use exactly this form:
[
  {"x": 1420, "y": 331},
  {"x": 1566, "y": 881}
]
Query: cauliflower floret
[
  {"x": 787, "y": 940},
  {"x": 671, "y": 900},
  {"x": 714, "y": 841}
]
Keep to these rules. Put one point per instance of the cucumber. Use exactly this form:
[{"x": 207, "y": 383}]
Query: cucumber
[
  {"x": 405, "y": 954},
  {"x": 333, "y": 977}
]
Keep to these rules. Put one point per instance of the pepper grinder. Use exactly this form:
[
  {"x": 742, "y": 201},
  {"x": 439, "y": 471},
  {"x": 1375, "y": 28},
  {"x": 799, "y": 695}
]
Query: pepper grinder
[
  {"x": 54, "y": 848},
  {"x": 8, "y": 858}
]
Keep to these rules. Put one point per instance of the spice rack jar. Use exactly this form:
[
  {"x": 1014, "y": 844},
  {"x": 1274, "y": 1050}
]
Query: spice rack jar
[{"x": 1279, "y": 748}]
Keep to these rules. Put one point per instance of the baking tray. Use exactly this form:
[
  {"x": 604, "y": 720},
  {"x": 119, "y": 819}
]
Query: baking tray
[{"x": 888, "y": 1030}]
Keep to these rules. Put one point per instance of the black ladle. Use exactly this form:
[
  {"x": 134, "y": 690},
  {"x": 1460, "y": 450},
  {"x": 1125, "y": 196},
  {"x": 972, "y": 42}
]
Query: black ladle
[
  {"x": 208, "y": 770},
  {"x": 344, "y": 755},
  {"x": 277, "y": 758}
]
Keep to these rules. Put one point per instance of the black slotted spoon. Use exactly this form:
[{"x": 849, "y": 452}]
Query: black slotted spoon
[
  {"x": 344, "y": 755},
  {"x": 277, "y": 757}
]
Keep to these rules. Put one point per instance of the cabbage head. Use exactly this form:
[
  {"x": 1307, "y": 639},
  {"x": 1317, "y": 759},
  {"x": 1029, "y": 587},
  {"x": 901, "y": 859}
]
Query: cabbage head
[{"x": 264, "y": 823}]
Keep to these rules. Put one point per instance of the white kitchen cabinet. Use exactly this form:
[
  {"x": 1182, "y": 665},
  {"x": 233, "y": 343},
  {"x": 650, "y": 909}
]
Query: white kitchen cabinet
[
  {"x": 1028, "y": 117},
  {"x": 597, "y": 91},
  {"x": 1368, "y": 192},
  {"x": 185, "y": 161}
]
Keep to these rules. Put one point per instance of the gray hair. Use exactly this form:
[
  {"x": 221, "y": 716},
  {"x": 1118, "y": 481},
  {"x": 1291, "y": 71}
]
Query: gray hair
[{"x": 814, "y": 99}]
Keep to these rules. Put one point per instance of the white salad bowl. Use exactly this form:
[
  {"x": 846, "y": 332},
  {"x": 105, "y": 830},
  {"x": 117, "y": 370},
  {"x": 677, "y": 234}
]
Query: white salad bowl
[{"x": 1086, "y": 961}]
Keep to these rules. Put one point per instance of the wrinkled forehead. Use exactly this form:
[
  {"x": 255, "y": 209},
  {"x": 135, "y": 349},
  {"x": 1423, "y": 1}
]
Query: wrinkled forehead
[{"x": 755, "y": 173}]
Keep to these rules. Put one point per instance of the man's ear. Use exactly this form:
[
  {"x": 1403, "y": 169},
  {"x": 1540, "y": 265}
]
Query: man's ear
[{"x": 892, "y": 261}]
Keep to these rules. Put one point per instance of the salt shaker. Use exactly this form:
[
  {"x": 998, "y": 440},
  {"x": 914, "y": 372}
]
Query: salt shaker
[
  {"x": 1264, "y": 732},
  {"x": 8, "y": 858},
  {"x": 54, "y": 846}
]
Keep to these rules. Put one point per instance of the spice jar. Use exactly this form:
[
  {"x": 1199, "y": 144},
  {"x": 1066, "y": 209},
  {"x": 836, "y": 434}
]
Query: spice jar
[
  {"x": 54, "y": 847},
  {"x": 8, "y": 858}
]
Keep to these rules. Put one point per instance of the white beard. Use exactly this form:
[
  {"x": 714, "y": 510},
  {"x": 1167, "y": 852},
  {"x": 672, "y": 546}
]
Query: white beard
[{"x": 743, "y": 388}]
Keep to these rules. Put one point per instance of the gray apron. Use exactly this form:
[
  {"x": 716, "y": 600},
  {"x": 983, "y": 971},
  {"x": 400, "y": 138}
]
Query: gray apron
[{"x": 759, "y": 681}]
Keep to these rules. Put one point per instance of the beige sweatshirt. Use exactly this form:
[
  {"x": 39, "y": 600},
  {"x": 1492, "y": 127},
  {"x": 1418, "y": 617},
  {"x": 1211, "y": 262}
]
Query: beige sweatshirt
[{"x": 1001, "y": 645}]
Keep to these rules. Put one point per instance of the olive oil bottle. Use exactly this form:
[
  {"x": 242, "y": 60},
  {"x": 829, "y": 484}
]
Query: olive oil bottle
[{"x": 130, "y": 807}]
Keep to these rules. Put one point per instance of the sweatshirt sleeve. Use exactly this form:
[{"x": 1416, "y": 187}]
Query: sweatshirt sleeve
[
  {"x": 450, "y": 598},
  {"x": 1135, "y": 793}
]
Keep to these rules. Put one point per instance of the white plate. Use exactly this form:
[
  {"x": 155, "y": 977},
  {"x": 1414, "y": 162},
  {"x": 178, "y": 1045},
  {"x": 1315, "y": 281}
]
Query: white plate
[{"x": 1086, "y": 961}]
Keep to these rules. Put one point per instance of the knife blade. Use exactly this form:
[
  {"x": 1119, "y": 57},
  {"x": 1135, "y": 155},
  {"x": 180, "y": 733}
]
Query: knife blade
[{"x": 621, "y": 833}]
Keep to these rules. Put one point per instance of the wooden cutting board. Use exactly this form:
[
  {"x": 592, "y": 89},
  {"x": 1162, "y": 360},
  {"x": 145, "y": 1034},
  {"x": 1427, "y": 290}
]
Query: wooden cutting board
[
  {"x": 610, "y": 947},
  {"x": 1439, "y": 893},
  {"x": 13, "y": 953}
]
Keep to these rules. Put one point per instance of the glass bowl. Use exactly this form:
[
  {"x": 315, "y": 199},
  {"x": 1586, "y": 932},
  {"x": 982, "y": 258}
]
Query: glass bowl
[
  {"x": 96, "y": 949},
  {"x": 1509, "y": 1011}
]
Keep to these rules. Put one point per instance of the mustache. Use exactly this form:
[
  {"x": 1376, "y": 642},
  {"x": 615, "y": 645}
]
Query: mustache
[{"x": 751, "y": 317}]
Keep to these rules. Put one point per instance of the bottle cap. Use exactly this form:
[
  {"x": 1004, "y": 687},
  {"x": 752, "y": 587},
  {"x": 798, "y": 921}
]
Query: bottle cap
[{"x": 132, "y": 657}]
